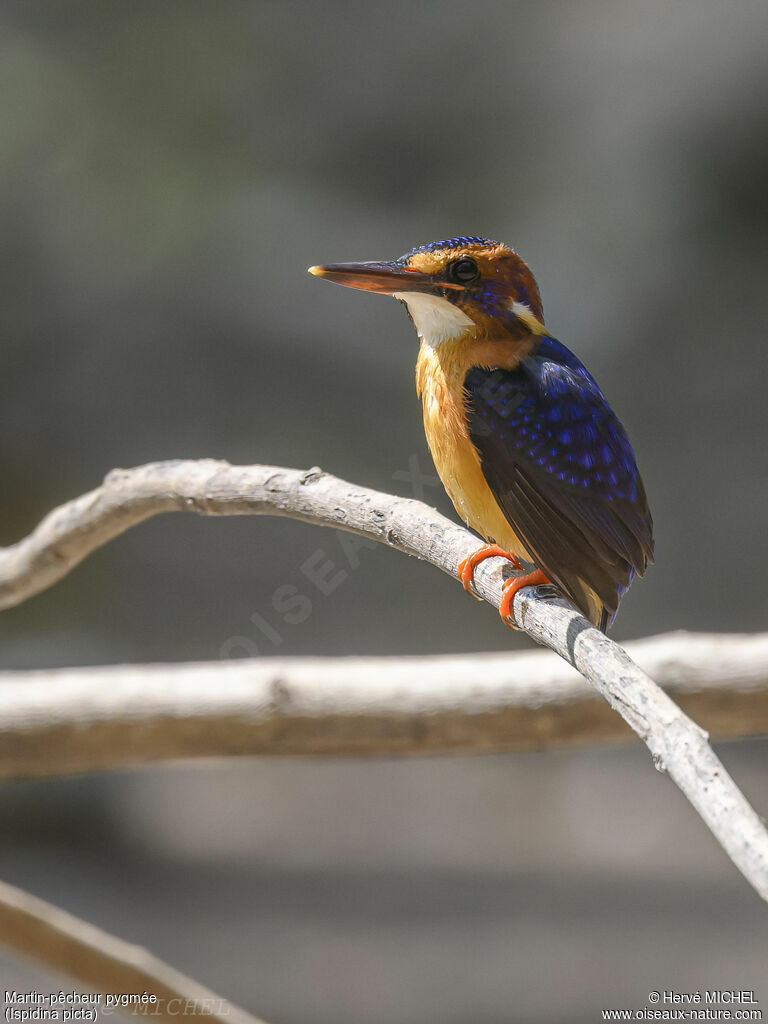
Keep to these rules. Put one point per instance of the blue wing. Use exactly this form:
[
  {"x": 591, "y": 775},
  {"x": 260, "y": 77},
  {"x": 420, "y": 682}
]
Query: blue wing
[{"x": 563, "y": 471}]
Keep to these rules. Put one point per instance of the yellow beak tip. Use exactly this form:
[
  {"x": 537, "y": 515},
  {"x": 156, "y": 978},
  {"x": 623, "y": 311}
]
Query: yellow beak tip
[{"x": 316, "y": 271}]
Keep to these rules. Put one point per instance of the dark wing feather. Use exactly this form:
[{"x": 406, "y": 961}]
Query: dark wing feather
[{"x": 563, "y": 471}]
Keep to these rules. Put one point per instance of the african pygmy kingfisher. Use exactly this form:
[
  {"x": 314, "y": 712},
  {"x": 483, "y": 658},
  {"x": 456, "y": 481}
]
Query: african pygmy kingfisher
[{"x": 527, "y": 447}]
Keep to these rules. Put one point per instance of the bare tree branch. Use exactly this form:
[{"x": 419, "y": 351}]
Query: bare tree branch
[
  {"x": 105, "y": 964},
  {"x": 127, "y": 497},
  {"x": 91, "y": 719}
]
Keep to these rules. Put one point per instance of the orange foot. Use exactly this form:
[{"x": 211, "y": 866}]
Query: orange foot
[
  {"x": 511, "y": 586},
  {"x": 467, "y": 567}
]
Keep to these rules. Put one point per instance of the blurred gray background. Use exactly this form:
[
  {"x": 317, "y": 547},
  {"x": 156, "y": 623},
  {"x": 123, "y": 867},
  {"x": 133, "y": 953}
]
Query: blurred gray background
[{"x": 168, "y": 170}]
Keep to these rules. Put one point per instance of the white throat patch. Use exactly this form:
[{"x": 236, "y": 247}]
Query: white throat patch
[{"x": 436, "y": 319}]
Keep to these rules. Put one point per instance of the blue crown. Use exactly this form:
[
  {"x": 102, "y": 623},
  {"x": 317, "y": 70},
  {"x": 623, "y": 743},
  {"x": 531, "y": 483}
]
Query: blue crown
[{"x": 450, "y": 243}]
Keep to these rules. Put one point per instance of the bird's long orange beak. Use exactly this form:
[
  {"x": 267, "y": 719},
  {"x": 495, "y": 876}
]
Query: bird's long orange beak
[{"x": 387, "y": 278}]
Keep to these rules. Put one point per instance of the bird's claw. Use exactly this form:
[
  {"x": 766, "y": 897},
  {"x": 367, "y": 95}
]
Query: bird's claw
[
  {"x": 511, "y": 586},
  {"x": 466, "y": 569}
]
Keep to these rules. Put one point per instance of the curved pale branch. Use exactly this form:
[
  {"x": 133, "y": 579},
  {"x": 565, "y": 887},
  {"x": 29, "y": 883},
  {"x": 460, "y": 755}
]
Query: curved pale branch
[
  {"x": 127, "y": 497},
  {"x": 91, "y": 719},
  {"x": 106, "y": 965}
]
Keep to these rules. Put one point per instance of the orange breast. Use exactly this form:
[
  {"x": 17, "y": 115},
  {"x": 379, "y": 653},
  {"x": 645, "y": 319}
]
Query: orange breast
[{"x": 440, "y": 374}]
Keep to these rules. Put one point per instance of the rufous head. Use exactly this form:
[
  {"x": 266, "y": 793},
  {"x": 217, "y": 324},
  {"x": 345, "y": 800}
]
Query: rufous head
[{"x": 455, "y": 287}]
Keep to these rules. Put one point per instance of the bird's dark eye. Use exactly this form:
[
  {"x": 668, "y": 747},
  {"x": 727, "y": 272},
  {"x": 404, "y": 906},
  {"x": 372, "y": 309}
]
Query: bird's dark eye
[{"x": 463, "y": 270}]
